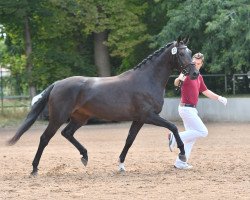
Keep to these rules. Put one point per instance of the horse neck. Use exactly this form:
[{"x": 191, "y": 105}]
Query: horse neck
[
  {"x": 164, "y": 70},
  {"x": 158, "y": 70}
]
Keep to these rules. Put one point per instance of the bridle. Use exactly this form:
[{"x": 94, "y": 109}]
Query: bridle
[{"x": 184, "y": 68}]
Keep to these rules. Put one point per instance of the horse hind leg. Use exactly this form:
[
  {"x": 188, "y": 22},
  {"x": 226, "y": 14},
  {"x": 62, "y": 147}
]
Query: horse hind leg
[
  {"x": 68, "y": 133},
  {"x": 44, "y": 140},
  {"x": 158, "y": 121}
]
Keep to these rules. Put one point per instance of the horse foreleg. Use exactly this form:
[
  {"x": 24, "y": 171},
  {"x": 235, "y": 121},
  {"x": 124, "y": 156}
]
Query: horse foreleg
[
  {"x": 133, "y": 131},
  {"x": 158, "y": 121},
  {"x": 68, "y": 133},
  {"x": 44, "y": 140}
]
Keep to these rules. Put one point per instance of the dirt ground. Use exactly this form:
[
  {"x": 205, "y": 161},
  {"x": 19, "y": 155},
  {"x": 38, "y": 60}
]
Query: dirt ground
[{"x": 221, "y": 165}]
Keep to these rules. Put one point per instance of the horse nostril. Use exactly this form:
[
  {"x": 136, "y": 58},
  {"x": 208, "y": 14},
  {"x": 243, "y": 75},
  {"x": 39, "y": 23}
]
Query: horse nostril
[{"x": 195, "y": 74}]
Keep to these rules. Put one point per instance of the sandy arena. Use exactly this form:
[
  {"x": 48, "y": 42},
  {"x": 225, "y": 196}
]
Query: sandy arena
[{"x": 221, "y": 165}]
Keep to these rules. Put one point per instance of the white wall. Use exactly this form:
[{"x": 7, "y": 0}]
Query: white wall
[{"x": 237, "y": 109}]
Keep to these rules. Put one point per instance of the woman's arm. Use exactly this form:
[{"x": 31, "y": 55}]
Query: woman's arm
[
  {"x": 212, "y": 95},
  {"x": 181, "y": 77}
]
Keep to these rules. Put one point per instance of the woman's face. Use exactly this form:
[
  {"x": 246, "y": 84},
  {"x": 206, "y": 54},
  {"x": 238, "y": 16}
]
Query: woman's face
[{"x": 198, "y": 63}]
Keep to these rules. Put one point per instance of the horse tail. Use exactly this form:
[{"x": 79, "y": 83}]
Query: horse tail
[{"x": 36, "y": 109}]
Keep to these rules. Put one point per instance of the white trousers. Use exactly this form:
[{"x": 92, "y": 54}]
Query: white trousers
[{"x": 194, "y": 129}]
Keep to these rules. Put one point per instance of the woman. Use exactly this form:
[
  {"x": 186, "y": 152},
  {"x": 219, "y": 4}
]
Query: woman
[{"x": 194, "y": 127}]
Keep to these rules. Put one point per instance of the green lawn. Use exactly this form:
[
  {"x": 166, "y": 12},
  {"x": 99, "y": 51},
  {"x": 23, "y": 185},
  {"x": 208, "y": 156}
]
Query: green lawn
[{"x": 13, "y": 111}]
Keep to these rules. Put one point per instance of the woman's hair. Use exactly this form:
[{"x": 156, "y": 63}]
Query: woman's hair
[{"x": 199, "y": 56}]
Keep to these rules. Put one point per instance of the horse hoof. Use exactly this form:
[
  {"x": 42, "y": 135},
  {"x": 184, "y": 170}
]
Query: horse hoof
[
  {"x": 183, "y": 158},
  {"x": 84, "y": 161},
  {"x": 121, "y": 170},
  {"x": 34, "y": 173},
  {"x": 121, "y": 167}
]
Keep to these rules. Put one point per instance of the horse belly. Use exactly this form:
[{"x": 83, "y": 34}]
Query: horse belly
[{"x": 111, "y": 110}]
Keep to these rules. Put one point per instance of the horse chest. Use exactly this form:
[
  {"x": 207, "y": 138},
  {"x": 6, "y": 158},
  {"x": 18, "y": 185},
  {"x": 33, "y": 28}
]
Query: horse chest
[{"x": 149, "y": 103}]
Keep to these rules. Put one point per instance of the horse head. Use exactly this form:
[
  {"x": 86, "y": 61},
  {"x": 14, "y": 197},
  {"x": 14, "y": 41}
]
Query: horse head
[{"x": 183, "y": 57}]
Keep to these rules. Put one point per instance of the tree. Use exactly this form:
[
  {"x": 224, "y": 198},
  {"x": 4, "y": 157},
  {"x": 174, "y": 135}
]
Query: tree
[
  {"x": 230, "y": 27},
  {"x": 220, "y": 29},
  {"x": 117, "y": 29},
  {"x": 62, "y": 48},
  {"x": 15, "y": 16}
]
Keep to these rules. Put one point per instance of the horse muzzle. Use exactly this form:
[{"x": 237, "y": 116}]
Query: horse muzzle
[
  {"x": 193, "y": 72},
  {"x": 194, "y": 75}
]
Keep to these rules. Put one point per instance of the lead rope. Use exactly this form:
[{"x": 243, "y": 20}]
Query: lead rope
[{"x": 177, "y": 89}]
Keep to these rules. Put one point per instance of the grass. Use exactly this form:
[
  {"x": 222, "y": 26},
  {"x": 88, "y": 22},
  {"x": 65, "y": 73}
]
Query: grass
[
  {"x": 13, "y": 111},
  {"x": 13, "y": 116}
]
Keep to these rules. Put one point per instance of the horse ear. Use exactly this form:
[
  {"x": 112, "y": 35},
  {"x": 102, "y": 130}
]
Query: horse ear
[
  {"x": 178, "y": 40},
  {"x": 186, "y": 40}
]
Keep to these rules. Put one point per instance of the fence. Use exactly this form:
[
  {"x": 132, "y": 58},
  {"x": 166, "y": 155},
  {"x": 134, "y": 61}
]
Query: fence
[
  {"x": 217, "y": 86},
  {"x": 8, "y": 100},
  {"x": 14, "y": 102},
  {"x": 234, "y": 84},
  {"x": 237, "y": 110},
  {"x": 224, "y": 84},
  {"x": 240, "y": 78}
]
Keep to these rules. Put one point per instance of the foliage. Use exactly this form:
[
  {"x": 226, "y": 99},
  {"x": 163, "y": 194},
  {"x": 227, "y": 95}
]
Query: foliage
[
  {"x": 61, "y": 31},
  {"x": 220, "y": 29},
  {"x": 62, "y": 35},
  {"x": 155, "y": 18}
]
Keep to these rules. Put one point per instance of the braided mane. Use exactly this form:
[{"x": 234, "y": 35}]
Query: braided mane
[{"x": 156, "y": 53}]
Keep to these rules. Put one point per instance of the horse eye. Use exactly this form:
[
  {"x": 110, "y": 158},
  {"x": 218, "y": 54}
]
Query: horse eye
[{"x": 181, "y": 54}]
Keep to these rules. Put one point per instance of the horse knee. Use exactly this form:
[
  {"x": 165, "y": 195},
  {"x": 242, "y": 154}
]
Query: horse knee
[
  {"x": 69, "y": 130},
  {"x": 44, "y": 140},
  {"x": 65, "y": 134}
]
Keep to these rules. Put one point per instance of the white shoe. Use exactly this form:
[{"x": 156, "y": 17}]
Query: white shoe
[
  {"x": 183, "y": 166},
  {"x": 171, "y": 143}
]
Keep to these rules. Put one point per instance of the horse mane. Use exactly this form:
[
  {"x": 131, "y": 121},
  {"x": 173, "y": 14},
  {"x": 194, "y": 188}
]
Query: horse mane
[{"x": 156, "y": 53}]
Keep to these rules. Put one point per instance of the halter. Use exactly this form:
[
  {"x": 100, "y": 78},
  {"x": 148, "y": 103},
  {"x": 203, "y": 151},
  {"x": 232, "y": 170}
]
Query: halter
[
  {"x": 174, "y": 51},
  {"x": 184, "y": 70}
]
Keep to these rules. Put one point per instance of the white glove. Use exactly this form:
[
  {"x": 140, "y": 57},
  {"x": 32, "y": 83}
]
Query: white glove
[
  {"x": 182, "y": 77},
  {"x": 222, "y": 100}
]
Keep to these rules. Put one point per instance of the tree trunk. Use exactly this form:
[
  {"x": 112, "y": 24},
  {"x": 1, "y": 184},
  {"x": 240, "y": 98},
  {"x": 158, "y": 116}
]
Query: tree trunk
[
  {"x": 102, "y": 60},
  {"x": 28, "y": 51}
]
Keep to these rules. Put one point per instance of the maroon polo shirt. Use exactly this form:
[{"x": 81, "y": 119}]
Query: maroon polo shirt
[{"x": 191, "y": 88}]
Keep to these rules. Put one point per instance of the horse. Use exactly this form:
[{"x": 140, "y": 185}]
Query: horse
[{"x": 136, "y": 95}]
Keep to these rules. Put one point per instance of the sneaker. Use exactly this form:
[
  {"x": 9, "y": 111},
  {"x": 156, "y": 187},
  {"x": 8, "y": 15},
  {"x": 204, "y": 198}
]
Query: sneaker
[
  {"x": 171, "y": 143},
  {"x": 183, "y": 166}
]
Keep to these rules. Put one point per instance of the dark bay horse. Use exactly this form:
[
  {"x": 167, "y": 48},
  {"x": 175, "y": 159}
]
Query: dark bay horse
[{"x": 136, "y": 95}]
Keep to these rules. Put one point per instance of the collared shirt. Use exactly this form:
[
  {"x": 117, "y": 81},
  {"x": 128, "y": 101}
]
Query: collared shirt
[{"x": 191, "y": 88}]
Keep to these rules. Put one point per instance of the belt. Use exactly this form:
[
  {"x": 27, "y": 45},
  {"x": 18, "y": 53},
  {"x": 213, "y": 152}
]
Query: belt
[{"x": 187, "y": 105}]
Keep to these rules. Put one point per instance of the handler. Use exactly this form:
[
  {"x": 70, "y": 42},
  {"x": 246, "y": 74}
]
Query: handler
[{"x": 194, "y": 127}]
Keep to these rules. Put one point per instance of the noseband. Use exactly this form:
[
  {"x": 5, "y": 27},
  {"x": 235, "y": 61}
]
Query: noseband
[{"x": 183, "y": 67}]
